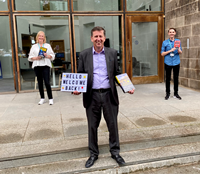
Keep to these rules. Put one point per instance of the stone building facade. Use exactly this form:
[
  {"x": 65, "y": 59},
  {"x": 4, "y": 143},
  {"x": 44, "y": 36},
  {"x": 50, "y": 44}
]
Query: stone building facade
[{"x": 184, "y": 15}]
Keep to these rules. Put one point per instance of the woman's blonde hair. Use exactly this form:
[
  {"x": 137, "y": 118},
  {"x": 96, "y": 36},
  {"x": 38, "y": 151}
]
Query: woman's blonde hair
[{"x": 38, "y": 36}]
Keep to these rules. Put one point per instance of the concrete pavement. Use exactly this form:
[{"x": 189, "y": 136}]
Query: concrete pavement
[{"x": 56, "y": 135}]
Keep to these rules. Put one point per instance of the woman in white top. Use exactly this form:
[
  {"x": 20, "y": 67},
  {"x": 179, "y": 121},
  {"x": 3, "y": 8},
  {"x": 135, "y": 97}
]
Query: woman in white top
[{"x": 42, "y": 65}]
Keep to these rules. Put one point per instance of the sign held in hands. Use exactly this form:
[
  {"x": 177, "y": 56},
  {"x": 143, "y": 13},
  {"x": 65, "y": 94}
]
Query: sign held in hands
[{"x": 74, "y": 82}]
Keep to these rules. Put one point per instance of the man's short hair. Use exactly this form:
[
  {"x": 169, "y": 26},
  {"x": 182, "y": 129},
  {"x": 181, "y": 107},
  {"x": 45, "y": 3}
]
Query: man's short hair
[
  {"x": 172, "y": 29},
  {"x": 98, "y": 29}
]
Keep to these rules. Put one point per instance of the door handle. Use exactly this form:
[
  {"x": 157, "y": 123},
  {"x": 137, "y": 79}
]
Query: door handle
[{"x": 129, "y": 55}]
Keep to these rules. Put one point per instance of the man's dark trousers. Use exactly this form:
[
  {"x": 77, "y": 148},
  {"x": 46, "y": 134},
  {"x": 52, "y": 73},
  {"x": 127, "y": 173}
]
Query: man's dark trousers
[{"x": 102, "y": 101}]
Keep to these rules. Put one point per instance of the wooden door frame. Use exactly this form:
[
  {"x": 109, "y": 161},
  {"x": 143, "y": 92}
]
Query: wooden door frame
[{"x": 160, "y": 30}]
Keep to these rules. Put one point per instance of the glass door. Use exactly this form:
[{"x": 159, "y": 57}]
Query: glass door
[{"x": 144, "y": 39}]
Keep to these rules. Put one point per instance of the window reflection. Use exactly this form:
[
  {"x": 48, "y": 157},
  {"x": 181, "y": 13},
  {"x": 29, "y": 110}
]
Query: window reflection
[
  {"x": 112, "y": 25},
  {"x": 144, "y": 49},
  {"x": 96, "y": 5},
  {"x": 3, "y": 5},
  {"x": 41, "y": 5},
  {"x": 143, "y": 5},
  {"x": 6, "y": 67},
  {"x": 56, "y": 29}
]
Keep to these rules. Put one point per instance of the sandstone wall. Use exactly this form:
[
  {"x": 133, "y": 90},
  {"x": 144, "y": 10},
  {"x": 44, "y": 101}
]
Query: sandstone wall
[{"x": 184, "y": 15}]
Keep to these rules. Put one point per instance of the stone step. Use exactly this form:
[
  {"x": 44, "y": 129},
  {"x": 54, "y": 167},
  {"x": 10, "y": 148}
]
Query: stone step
[
  {"x": 10, "y": 151},
  {"x": 136, "y": 153}
]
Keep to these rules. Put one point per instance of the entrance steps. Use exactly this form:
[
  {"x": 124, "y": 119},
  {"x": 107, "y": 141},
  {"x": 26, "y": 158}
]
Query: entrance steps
[{"x": 139, "y": 155}]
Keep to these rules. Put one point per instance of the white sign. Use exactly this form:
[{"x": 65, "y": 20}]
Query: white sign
[{"x": 74, "y": 82}]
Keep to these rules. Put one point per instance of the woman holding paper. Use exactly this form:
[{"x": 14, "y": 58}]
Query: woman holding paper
[
  {"x": 41, "y": 54},
  {"x": 171, "y": 48}
]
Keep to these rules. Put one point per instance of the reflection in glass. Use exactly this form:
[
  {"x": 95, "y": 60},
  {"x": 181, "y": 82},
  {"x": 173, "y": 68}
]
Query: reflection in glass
[
  {"x": 143, "y": 5},
  {"x": 112, "y": 25},
  {"x": 144, "y": 48},
  {"x": 56, "y": 29},
  {"x": 6, "y": 67},
  {"x": 3, "y": 5},
  {"x": 96, "y": 5},
  {"x": 41, "y": 5}
]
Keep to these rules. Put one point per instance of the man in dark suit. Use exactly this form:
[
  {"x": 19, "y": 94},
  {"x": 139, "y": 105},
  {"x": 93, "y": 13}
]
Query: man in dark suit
[{"x": 100, "y": 63}]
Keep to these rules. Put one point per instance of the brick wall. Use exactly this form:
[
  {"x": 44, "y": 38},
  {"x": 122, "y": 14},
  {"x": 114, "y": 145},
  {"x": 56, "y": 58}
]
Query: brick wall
[{"x": 184, "y": 15}]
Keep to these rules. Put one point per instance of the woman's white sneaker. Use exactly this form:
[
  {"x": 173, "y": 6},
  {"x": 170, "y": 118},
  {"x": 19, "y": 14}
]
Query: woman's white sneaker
[
  {"x": 51, "y": 102},
  {"x": 41, "y": 101}
]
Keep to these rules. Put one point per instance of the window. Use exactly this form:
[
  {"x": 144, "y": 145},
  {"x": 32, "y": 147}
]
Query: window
[
  {"x": 112, "y": 25},
  {"x": 41, "y": 5},
  {"x": 144, "y": 49},
  {"x": 6, "y": 66},
  {"x": 96, "y": 5},
  {"x": 56, "y": 29},
  {"x": 3, "y": 5},
  {"x": 143, "y": 5}
]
